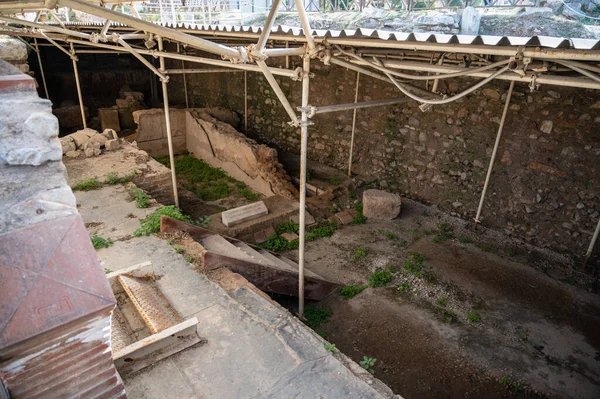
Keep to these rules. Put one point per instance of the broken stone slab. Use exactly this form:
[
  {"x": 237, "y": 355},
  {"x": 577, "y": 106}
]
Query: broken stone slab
[
  {"x": 110, "y": 134},
  {"x": 344, "y": 217},
  {"x": 244, "y": 213},
  {"x": 112, "y": 145},
  {"x": 98, "y": 140},
  {"x": 289, "y": 236},
  {"x": 67, "y": 144},
  {"x": 82, "y": 136},
  {"x": 109, "y": 119},
  {"x": 73, "y": 154},
  {"x": 309, "y": 219},
  {"x": 381, "y": 205}
]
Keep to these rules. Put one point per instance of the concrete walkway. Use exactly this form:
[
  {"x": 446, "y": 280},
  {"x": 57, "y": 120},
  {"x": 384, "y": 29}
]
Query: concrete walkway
[{"x": 252, "y": 347}]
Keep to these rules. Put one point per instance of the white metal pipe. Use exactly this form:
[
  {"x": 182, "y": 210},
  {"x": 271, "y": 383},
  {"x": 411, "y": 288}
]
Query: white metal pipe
[
  {"x": 494, "y": 151},
  {"x": 264, "y": 35},
  {"x": 582, "y": 71},
  {"x": 202, "y": 70},
  {"x": 303, "y": 161},
  {"x": 305, "y": 24},
  {"x": 187, "y": 103},
  {"x": 58, "y": 46},
  {"x": 246, "y": 102},
  {"x": 168, "y": 125},
  {"x": 353, "y": 125},
  {"x": 22, "y": 5},
  {"x": 592, "y": 243},
  {"x": 173, "y": 34},
  {"x": 44, "y": 27},
  {"x": 284, "y": 52},
  {"x": 81, "y": 108},
  {"x": 144, "y": 61},
  {"x": 278, "y": 92},
  {"x": 53, "y": 14},
  {"x": 356, "y": 105},
  {"x": 37, "y": 51}
]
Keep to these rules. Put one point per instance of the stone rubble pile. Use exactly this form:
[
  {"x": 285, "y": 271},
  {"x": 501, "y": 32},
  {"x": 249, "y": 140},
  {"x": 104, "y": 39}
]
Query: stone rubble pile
[{"x": 89, "y": 142}]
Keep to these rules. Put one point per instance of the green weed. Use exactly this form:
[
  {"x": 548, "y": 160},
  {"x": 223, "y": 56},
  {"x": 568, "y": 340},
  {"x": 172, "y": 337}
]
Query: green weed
[
  {"x": 330, "y": 347},
  {"x": 335, "y": 180},
  {"x": 404, "y": 286},
  {"x": 142, "y": 200},
  {"x": 316, "y": 315},
  {"x": 359, "y": 218},
  {"x": 448, "y": 316},
  {"x": 88, "y": 184},
  {"x": 276, "y": 243},
  {"x": 473, "y": 317},
  {"x": 179, "y": 250},
  {"x": 350, "y": 291},
  {"x": 444, "y": 232},
  {"x": 465, "y": 240},
  {"x": 359, "y": 253},
  {"x": 248, "y": 194},
  {"x": 107, "y": 270},
  {"x": 112, "y": 178},
  {"x": 368, "y": 363},
  {"x": 188, "y": 259},
  {"x": 414, "y": 264},
  {"x": 151, "y": 224},
  {"x": 99, "y": 242},
  {"x": 380, "y": 277},
  {"x": 443, "y": 301},
  {"x": 352, "y": 195},
  {"x": 390, "y": 236},
  {"x": 512, "y": 386},
  {"x": 309, "y": 173},
  {"x": 170, "y": 242}
]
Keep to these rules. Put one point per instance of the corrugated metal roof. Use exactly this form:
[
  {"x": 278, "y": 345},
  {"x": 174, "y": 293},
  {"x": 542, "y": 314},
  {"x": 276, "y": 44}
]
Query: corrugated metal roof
[{"x": 377, "y": 34}]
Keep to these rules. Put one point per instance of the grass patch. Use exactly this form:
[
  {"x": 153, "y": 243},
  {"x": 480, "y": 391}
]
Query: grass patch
[
  {"x": 179, "y": 250},
  {"x": 99, "y": 242},
  {"x": 380, "y": 277},
  {"x": 248, "y": 194},
  {"x": 316, "y": 315},
  {"x": 444, "y": 232},
  {"x": 390, "y": 236},
  {"x": 359, "y": 218},
  {"x": 359, "y": 253},
  {"x": 277, "y": 243},
  {"x": 442, "y": 302},
  {"x": 91, "y": 183},
  {"x": 404, "y": 287},
  {"x": 473, "y": 317},
  {"x": 448, "y": 316},
  {"x": 112, "y": 178},
  {"x": 512, "y": 386},
  {"x": 414, "y": 264},
  {"x": 151, "y": 224},
  {"x": 465, "y": 240},
  {"x": 330, "y": 347},
  {"x": 350, "y": 291},
  {"x": 142, "y": 200}
]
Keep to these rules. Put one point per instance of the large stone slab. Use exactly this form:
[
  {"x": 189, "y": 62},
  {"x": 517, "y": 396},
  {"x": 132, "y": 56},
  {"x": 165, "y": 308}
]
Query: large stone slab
[
  {"x": 244, "y": 213},
  {"x": 381, "y": 205},
  {"x": 109, "y": 119}
]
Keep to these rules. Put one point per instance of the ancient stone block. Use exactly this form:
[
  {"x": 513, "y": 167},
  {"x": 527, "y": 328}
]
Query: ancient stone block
[
  {"x": 112, "y": 145},
  {"x": 69, "y": 117},
  {"x": 82, "y": 136},
  {"x": 289, "y": 236},
  {"x": 73, "y": 154},
  {"x": 381, "y": 205},
  {"x": 110, "y": 134},
  {"x": 244, "y": 213},
  {"x": 109, "y": 119}
]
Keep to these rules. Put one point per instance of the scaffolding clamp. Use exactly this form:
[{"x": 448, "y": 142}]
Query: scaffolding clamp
[{"x": 310, "y": 110}]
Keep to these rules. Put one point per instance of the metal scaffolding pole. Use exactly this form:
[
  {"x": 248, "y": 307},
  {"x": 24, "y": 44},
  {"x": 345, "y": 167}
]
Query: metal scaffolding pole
[
  {"x": 275, "y": 86},
  {"x": 264, "y": 35},
  {"x": 245, "y": 102},
  {"x": 365, "y": 104},
  {"x": 303, "y": 155},
  {"x": 491, "y": 166},
  {"x": 74, "y": 59},
  {"x": 592, "y": 243},
  {"x": 187, "y": 104},
  {"x": 353, "y": 125},
  {"x": 37, "y": 51},
  {"x": 168, "y": 123}
]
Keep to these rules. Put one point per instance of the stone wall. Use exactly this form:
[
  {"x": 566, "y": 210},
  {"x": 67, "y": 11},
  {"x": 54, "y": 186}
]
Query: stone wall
[{"x": 546, "y": 183}]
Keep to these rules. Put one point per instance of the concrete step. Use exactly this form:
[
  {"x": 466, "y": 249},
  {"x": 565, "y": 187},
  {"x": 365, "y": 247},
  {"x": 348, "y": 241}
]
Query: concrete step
[
  {"x": 219, "y": 245},
  {"x": 279, "y": 262},
  {"x": 294, "y": 265},
  {"x": 120, "y": 332},
  {"x": 256, "y": 255},
  {"x": 150, "y": 303}
]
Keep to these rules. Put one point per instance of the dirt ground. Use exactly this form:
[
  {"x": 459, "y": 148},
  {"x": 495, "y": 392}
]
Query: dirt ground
[{"x": 537, "y": 337}]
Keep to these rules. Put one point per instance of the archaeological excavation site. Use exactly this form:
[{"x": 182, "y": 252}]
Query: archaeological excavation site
[{"x": 299, "y": 199}]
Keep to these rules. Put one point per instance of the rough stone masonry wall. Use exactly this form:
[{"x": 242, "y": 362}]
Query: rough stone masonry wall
[{"x": 546, "y": 183}]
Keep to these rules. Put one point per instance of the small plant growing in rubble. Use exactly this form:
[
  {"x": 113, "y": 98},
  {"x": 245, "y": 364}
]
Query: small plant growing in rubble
[
  {"x": 473, "y": 317},
  {"x": 179, "y": 250},
  {"x": 512, "y": 386},
  {"x": 112, "y": 178},
  {"x": 442, "y": 301},
  {"x": 359, "y": 218},
  {"x": 380, "y": 277},
  {"x": 414, "y": 264},
  {"x": 404, "y": 287},
  {"x": 316, "y": 315},
  {"x": 368, "y": 363},
  {"x": 330, "y": 347},
  {"x": 99, "y": 242},
  {"x": 142, "y": 200},
  {"x": 444, "y": 232},
  {"x": 359, "y": 253},
  {"x": 107, "y": 270},
  {"x": 88, "y": 184},
  {"x": 390, "y": 236},
  {"x": 151, "y": 224},
  {"x": 335, "y": 180},
  {"x": 350, "y": 291},
  {"x": 188, "y": 259},
  {"x": 204, "y": 221}
]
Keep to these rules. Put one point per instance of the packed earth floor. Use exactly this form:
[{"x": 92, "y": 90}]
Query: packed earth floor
[{"x": 430, "y": 305}]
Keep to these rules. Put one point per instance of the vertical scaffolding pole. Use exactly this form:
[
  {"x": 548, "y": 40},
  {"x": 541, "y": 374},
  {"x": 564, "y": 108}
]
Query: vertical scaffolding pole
[
  {"x": 246, "y": 102},
  {"x": 353, "y": 125},
  {"x": 168, "y": 123},
  {"x": 491, "y": 166},
  {"x": 187, "y": 104},
  {"x": 37, "y": 51},
  {"x": 74, "y": 59},
  {"x": 303, "y": 156}
]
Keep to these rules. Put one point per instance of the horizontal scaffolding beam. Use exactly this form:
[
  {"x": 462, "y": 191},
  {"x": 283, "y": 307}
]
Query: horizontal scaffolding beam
[{"x": 365, "y": 104}]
